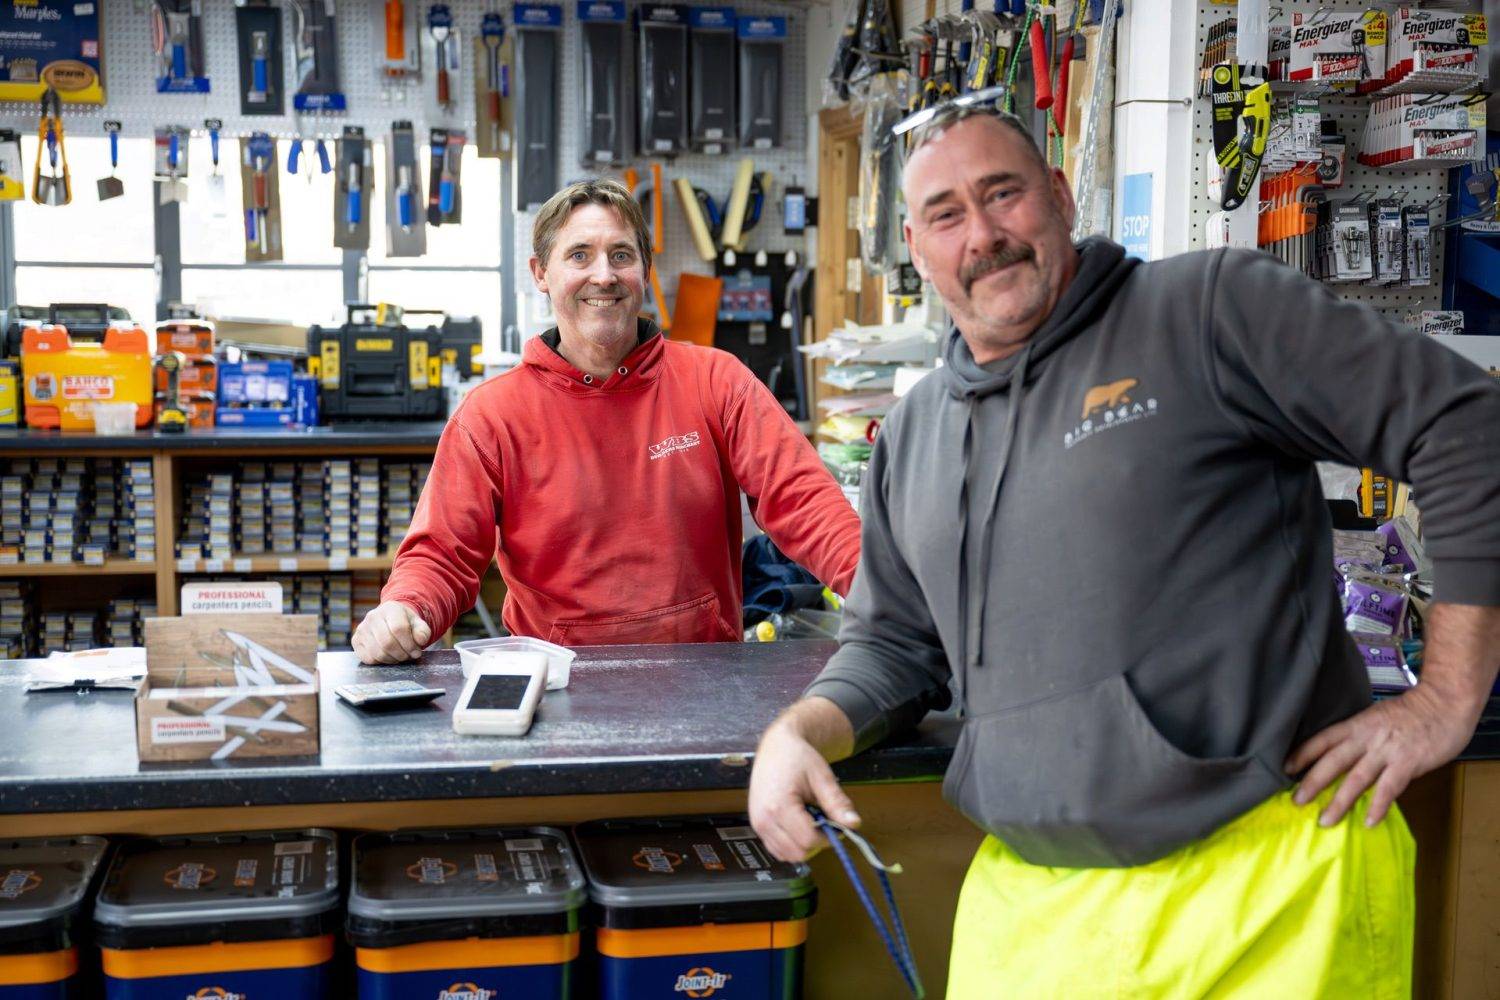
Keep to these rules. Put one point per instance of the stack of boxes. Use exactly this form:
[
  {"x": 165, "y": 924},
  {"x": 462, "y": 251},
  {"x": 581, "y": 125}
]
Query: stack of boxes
[
  {"x": 312, "y": 509},
  {"x": 198, "y": 382},
  {"x": 367, "y": 508},
  {"x": 250, "y": 508},
  {"x": 338, "y": 611},
  {"x": 77, "y": 510},
  {"x": 136, "y": 537},
  {"x": 17, "y": 618},
  {"x": 282, "y": 495},
  {"x": 326, "y": 595},
  {"x": 68, "y": 630},
  {"x": 403, "y": 487},
  {"x": 123, "y": 626},
  {"x": 340, "y": 498}
]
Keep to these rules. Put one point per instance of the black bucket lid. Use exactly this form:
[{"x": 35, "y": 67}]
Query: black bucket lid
[
  {"x": 441, "y": 874},
  {"x": 44, "y": 882},
  {"x": 225, "y": 886},
  {"x": 684, "y": 861}
]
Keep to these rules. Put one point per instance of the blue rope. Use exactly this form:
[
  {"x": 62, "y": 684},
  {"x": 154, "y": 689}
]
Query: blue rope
[{"x": 900, "y": 948}]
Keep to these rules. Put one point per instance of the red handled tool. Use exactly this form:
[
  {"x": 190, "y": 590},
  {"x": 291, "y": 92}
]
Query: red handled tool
[{"x": 1039, "y": 70}]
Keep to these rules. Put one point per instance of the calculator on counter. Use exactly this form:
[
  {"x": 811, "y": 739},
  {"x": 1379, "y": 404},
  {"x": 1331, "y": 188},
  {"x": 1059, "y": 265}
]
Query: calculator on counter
[{"x": 378, "y": 695}]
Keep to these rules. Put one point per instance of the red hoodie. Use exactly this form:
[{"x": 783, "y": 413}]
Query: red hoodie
[{"x": 617, "y": 502}]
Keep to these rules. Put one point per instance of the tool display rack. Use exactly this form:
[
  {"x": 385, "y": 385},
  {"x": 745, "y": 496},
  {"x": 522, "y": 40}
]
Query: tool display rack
[
  {"x": 1349, "y": 111},
  {"x": 171, "y": 455}
]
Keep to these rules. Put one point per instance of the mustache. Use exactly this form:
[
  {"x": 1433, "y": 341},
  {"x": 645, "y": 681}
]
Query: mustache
[{"x": 988, "y": 264}]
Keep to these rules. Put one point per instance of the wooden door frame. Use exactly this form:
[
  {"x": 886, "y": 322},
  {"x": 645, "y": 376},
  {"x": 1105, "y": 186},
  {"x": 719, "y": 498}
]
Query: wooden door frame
[{"x": 839, "y": 132}]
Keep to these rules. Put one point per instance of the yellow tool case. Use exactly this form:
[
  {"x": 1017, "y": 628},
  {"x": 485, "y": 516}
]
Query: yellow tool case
[{"x": 64, "y": 380}]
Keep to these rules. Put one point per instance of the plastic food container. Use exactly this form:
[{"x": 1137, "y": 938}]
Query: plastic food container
[
  {"x": 473, "y": 914},
  {"x": 559, "y": 658},
  {"x": 694, "y": 906},
  {"x": 43, "y": 885},
  {"x": 213, "y": 915},
  {"x": 114, "y": 418}
]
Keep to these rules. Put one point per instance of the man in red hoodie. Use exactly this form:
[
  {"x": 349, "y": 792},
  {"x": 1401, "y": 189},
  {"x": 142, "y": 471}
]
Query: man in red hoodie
[{"x": 604, "y": 473}]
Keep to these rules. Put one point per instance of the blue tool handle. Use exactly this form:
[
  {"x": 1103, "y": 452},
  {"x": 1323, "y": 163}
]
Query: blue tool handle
[
  {"x": 356, "y": 206},
  {"x": 250, "y": 225},
  {"x": 258, "y": 71},
  {"x": 213, "y": 144},
  {"x": 445, "y": 196},
  {"x": 404, "y": 209},
  {"x": 323, "y": 162},
  {"x": 52, "y": 145},
  {"x": 294, "y": 156},
  {"x": 504, "y": 81},
  {"x": 173, "y": 149},
  {"x": 114, "y": 150},
  {"x": 179, "y": 61}
]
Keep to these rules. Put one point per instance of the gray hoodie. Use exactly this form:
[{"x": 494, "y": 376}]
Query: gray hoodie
[{"x": 1116, "y": 554}]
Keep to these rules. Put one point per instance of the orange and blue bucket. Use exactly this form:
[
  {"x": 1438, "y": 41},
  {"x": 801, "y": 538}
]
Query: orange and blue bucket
[
  {"x": 694, "y": 907},
  {"x": 44, "y": 887},
  {"x": 473, "y": 914},
  {"x": 219, "y": 916}
]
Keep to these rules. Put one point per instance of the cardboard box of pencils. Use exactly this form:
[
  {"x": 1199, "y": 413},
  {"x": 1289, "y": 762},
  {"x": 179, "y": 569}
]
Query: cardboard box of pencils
[{"x": 229, "y": 687}]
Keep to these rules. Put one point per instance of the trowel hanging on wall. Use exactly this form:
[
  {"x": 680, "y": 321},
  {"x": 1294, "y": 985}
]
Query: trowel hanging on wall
[{"x": 112, "y": 186}]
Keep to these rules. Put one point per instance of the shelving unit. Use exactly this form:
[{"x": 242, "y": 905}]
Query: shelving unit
[{"x": 170, "y": 453}]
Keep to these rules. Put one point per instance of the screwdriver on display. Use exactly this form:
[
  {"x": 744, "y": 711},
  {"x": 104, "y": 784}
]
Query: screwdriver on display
[
  {"x": 354, "y": 206},
  {"x": 440, "y": 24},
  {"x": 492, "y": 30},
  {"x": 260, "y": 75},
  {"x": 405, "y": 199}
]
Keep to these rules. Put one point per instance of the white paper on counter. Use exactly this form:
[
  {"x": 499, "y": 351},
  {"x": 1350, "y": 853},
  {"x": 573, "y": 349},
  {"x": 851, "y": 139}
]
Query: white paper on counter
[{"x": 122, "y": 668}]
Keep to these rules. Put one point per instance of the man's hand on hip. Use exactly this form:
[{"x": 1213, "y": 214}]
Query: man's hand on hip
[
  {"x": 391, "y": 633},
  {"x": 1394, "y": 742},
  {"x": 791, "y": 771}
]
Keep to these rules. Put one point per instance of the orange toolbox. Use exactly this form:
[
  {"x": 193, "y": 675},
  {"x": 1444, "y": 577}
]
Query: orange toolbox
[
  {"x": 200, "y": 413},
  {"x": 63, "y": 380},
  {"x": 194, "y": 338},
  {"x": 198, "y": 376}
]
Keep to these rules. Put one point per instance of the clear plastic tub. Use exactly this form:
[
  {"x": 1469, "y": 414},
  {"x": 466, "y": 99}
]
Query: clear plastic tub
[
  {"x": 559, "y": 658},
  {"x": 114, "y": 418}
]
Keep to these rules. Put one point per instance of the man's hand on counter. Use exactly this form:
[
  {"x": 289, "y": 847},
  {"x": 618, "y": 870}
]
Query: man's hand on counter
[
  {"x": 791, "y": 770},
  {"x": 392, "y": 633}
]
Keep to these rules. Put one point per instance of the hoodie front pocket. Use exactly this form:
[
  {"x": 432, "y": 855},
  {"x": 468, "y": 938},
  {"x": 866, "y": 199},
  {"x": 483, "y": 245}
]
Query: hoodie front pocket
[
  {"x": 1085, "y": 780},
  {"x": 697, "y": 620}
]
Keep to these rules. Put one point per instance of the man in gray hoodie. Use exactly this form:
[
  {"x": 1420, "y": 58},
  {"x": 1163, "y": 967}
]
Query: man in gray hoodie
[{"x": 1100, "y": 530}]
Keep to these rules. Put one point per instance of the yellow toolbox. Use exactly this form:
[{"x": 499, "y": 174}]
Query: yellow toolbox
[{"x": 64, "y": 380}]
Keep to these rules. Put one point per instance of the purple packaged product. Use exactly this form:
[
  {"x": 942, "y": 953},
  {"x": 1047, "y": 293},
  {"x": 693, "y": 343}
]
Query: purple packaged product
[
  {"x": 304, "y": 400},
  {"x": 1395, "y": 548},
  {"x": 1385, "y": 662},
  {"x": 1369, "y": 607}
]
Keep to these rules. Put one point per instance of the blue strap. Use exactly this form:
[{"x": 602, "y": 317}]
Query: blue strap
[{"x": 892, "y": 935}]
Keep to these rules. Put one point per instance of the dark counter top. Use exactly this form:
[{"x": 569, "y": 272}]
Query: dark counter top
[
  {"x": 632, "y": 719},
  {"x": 354, "y": 435}
]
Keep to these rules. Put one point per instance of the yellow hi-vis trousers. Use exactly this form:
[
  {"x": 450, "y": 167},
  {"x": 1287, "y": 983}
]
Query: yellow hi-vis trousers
[{"x": 1270, "y": 905}]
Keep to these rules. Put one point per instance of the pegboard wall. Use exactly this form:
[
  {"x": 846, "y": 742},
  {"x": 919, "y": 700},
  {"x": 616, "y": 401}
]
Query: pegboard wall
[
  {"x": 788, "y": 165},
  {"x": 1417, "y": 186},
  {"x": 373, "y": 100}
]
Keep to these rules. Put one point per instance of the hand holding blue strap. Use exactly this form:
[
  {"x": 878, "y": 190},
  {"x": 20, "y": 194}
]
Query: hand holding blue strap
[{"x": 892, "y": 935}]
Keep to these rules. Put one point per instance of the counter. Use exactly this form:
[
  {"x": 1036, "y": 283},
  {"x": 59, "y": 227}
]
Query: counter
[
  {"x": 655, "y": 730},
  {"x": 632, "y": 719}
]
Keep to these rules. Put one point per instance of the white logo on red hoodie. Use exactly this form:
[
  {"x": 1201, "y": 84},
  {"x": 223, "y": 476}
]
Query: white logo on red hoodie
[{"x": 677, "y": 442}]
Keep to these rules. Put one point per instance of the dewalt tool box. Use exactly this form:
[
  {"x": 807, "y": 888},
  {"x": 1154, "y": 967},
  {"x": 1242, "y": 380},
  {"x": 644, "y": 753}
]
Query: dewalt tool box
[{"x": 368, "y": 371}]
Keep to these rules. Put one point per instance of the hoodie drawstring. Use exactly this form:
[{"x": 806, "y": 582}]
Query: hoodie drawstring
[{"x": 972, "y": 642}]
